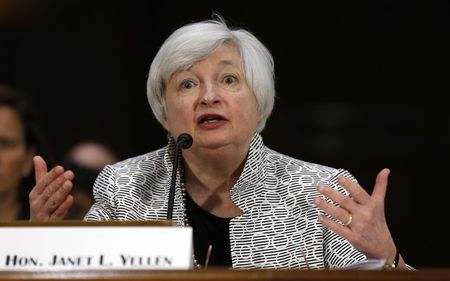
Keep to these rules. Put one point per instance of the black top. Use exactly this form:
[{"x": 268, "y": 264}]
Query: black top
[{"x": 208, "y": 230}]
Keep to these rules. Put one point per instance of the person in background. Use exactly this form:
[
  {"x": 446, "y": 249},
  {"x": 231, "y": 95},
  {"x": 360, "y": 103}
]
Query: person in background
[
  {"x": 86, "y": 160},
  {"x": 18, "y": 144},
  {"x": 257, "y": 208}
]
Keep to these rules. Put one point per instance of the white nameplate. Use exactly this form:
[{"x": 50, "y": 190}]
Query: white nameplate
[{"x": 94, "y": 247}]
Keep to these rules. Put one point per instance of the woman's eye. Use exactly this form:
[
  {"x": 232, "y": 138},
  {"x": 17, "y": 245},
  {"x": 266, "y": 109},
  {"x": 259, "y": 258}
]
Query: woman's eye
[
  {"x": 6, "y": 144},
  {"x": 230, "y": 79},
  {"x": 187, "y": 84}
]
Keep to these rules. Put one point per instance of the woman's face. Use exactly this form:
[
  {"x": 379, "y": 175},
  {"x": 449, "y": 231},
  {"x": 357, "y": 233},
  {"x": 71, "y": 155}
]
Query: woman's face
[
  {"x": 212, "y": 102},
  {"x": 15, "y": 159}
]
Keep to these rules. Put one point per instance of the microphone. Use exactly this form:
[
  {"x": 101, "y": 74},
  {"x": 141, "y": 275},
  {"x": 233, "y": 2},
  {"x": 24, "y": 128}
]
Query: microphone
[{"x": 184, "y": 141}]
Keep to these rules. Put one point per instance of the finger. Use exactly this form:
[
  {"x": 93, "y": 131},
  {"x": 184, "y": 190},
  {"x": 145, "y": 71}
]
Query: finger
[
  {"x": 47, "y": 179},
  {"x": 58, "y": 196},
  {"x": 338, "y": 228},
  {"x": 40, "y": 167},
  {"x": 381, "y": 182},
  {"x": 40, "y": 195},
  {"x": 357, "y": 192},
  {"x": 334, "y": 211},
  {"x": 338, "y": 197},
  {"x": 56, "y": 185},
  {"x": 63, "y": 208}
]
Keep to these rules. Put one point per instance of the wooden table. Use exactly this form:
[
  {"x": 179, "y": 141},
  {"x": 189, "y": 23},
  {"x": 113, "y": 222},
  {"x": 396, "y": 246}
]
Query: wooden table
[{"x": 218, "y": 274}]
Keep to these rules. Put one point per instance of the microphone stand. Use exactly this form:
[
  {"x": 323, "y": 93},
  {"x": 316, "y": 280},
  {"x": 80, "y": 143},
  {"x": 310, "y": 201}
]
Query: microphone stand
[{"x": 184, "y": 141}]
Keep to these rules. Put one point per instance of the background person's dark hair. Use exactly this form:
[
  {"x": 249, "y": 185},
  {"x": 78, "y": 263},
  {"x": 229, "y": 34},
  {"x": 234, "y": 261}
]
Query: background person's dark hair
[{"x": 15, "y": 100}]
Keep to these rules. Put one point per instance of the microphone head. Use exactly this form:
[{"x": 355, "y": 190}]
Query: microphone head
[{"x": 185, "y": 140}]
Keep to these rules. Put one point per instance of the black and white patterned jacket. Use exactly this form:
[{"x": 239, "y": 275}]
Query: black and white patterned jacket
[{"x": 279, "y": 228}]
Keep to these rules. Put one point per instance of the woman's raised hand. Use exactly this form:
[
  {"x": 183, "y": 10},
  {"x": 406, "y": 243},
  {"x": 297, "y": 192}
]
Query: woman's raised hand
[
  {"x": 359, "y": 218},
  {"x": 50, "y": 198}
]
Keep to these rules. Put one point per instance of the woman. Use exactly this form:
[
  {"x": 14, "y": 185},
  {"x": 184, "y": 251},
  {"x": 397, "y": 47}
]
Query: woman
[
  {"x": 18, "y": 144},
  {"x": 256, "y": 207}
]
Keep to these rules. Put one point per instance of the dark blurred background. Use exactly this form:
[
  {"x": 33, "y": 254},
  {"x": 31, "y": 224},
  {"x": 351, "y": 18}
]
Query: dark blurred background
[{"x": 361, "y": 85}]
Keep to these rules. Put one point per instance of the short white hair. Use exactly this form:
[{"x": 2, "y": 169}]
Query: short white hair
[{"x": 194, "y": 42}]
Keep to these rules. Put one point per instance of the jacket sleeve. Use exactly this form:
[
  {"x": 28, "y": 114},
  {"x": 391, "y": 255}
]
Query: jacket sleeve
[{"x": 104, "y": 191}]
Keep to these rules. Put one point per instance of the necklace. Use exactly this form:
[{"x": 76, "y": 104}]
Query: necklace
[{"x": 196, "y": 264}]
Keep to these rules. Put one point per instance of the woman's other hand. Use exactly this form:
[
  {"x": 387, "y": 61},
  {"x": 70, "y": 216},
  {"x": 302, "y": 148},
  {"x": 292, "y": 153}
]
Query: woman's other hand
[
  {"x": 360, "y": 216},
  {"x": 50, "y": 198}
]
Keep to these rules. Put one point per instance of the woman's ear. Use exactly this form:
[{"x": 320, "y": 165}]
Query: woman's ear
[
  {"x": 166, "y": 125},
  {"x": 260, "y": 116},
  {"x": 28, "y": 165}
]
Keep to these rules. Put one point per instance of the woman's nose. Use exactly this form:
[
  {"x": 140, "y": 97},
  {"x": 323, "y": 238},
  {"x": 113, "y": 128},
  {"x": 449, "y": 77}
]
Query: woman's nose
[{"x": 209, "y": 95}]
